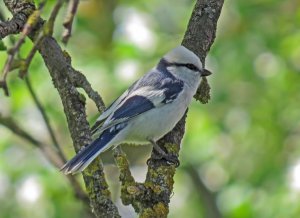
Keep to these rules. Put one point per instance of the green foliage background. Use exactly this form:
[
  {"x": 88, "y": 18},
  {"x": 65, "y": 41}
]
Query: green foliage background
[{"x": 244, "y": 142}]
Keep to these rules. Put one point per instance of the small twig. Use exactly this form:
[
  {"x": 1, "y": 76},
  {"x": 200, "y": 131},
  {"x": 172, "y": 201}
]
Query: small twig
[
  {"x": 3, "y": 85},
  {"x": 50, "y": 23},
  {"x": 68, "y": 22},
  {"x": 26, "y": 63},
  {"x": 5, "y": 71},
  {"x": 29, "y": 25},
  {"x": 9, "y": 123},
  {"x": 14, "y": 127},
  {"x": 80, "y": 81},
  {"x": 45, "y": 118}
]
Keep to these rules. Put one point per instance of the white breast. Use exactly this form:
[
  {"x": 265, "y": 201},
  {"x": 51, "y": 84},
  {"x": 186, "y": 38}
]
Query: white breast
[{"x": 157, "y": 122}]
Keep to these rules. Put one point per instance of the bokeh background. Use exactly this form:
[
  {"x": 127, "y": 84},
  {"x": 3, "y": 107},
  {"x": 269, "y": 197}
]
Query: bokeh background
[{"x": 243, "y": 145}]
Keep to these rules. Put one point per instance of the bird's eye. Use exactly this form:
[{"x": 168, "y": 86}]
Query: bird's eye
[{"x": 192, "y": 67}]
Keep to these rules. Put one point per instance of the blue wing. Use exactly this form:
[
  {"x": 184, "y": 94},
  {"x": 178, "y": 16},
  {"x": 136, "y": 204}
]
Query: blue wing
[
  {"x": 132, "y": 107},
  {"x": 110, "y": 109},
  {"x": 153, "y": 90}
]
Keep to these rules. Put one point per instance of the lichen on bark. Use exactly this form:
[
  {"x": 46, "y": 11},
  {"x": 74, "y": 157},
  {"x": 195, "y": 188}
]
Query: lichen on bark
[{"x": 154, "y": 194}]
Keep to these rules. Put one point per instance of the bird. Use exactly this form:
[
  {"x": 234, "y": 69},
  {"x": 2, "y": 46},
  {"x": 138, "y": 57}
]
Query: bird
[{"x": 147, "y": 110}]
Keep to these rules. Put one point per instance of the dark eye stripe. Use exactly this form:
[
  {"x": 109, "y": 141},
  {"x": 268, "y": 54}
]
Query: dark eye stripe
[
  {"x": 189, "y": 66},
  {"x": 192, "y": 67}
]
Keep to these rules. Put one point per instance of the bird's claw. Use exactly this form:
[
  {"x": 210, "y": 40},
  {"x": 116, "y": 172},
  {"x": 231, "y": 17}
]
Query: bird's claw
[
  {"x": 172, "y": 160},
  {"x": 169, "y": 158},
  {"x": 160, "y": 154}
]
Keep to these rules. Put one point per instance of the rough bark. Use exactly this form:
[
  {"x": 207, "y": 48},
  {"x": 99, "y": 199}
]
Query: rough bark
[
  {"x": 151, "y": 198},
  {"x": 62, "y": 73},
  {"x": 201, "y": 30},
  {"x": 22, "y": 10},
  {"x": 74, "y": 107},
  {"x": 199, "y": 37}
]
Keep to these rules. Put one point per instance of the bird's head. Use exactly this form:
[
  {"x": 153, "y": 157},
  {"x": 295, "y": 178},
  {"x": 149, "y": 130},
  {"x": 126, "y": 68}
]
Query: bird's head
[{"x": 181, "y": 60}]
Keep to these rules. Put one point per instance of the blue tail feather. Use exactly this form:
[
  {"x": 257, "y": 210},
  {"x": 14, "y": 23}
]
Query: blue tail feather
[{"x": 83, "y": 158}]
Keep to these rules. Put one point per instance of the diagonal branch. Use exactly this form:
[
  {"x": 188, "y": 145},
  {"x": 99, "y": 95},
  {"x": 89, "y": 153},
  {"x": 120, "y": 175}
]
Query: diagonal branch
[
  {"x": 14, "y": 127},
  {"x": 74, "y": 107},
  {"x": 151, "y": 198},
  {"x": 23, "y": 69},
  {"x": 68, "y": 22},
  {"x": 48, "y": 29}
]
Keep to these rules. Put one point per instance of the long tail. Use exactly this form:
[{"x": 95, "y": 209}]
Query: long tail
[{"x": 83, "y": 158}]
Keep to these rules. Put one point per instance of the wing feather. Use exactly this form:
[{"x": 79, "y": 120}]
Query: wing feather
[
  {"x": 110, "y": 109},
  {"x": 152, "y": 91}
]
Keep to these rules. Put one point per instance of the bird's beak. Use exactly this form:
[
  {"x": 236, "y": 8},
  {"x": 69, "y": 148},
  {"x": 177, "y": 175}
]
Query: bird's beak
[{"x": 205, "y": 73}]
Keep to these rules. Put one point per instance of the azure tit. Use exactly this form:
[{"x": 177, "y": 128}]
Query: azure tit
[{"x": 147, "y": 110}]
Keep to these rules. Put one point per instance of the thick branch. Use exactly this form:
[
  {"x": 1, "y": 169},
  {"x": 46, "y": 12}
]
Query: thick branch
[
  {"x": 201, "y": 31},
  {"x": 21, "y": 10},
  {"x": 61, "y": 71},
  {"x": 74, "y": 107},
  {"x": 159, "y": 182}
]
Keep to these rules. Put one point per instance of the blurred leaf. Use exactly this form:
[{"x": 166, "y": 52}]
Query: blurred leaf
[{"x": 2, "y": 46}]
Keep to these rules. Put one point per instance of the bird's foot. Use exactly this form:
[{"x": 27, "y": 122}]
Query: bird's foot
[
  {"x": 170, "y": 158},
  {"x": 160, "y": 154}
]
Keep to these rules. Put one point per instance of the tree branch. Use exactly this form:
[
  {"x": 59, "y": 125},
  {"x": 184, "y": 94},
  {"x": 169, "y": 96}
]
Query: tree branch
[
  {"x": 201, "y": 30},
  {"x": 61, "y": 71},
  {"x": 151, "y": 199},
  {"x": 80, "y": 81},
  {"x": 74, "y": 107},
  {"x": 21, "y": 11},
  {"x": 50, "y": 23},
  {"x": 23, "y": 69},
  {"x": 68, "y": 22},
  {"x": 31, "y": 19}
]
